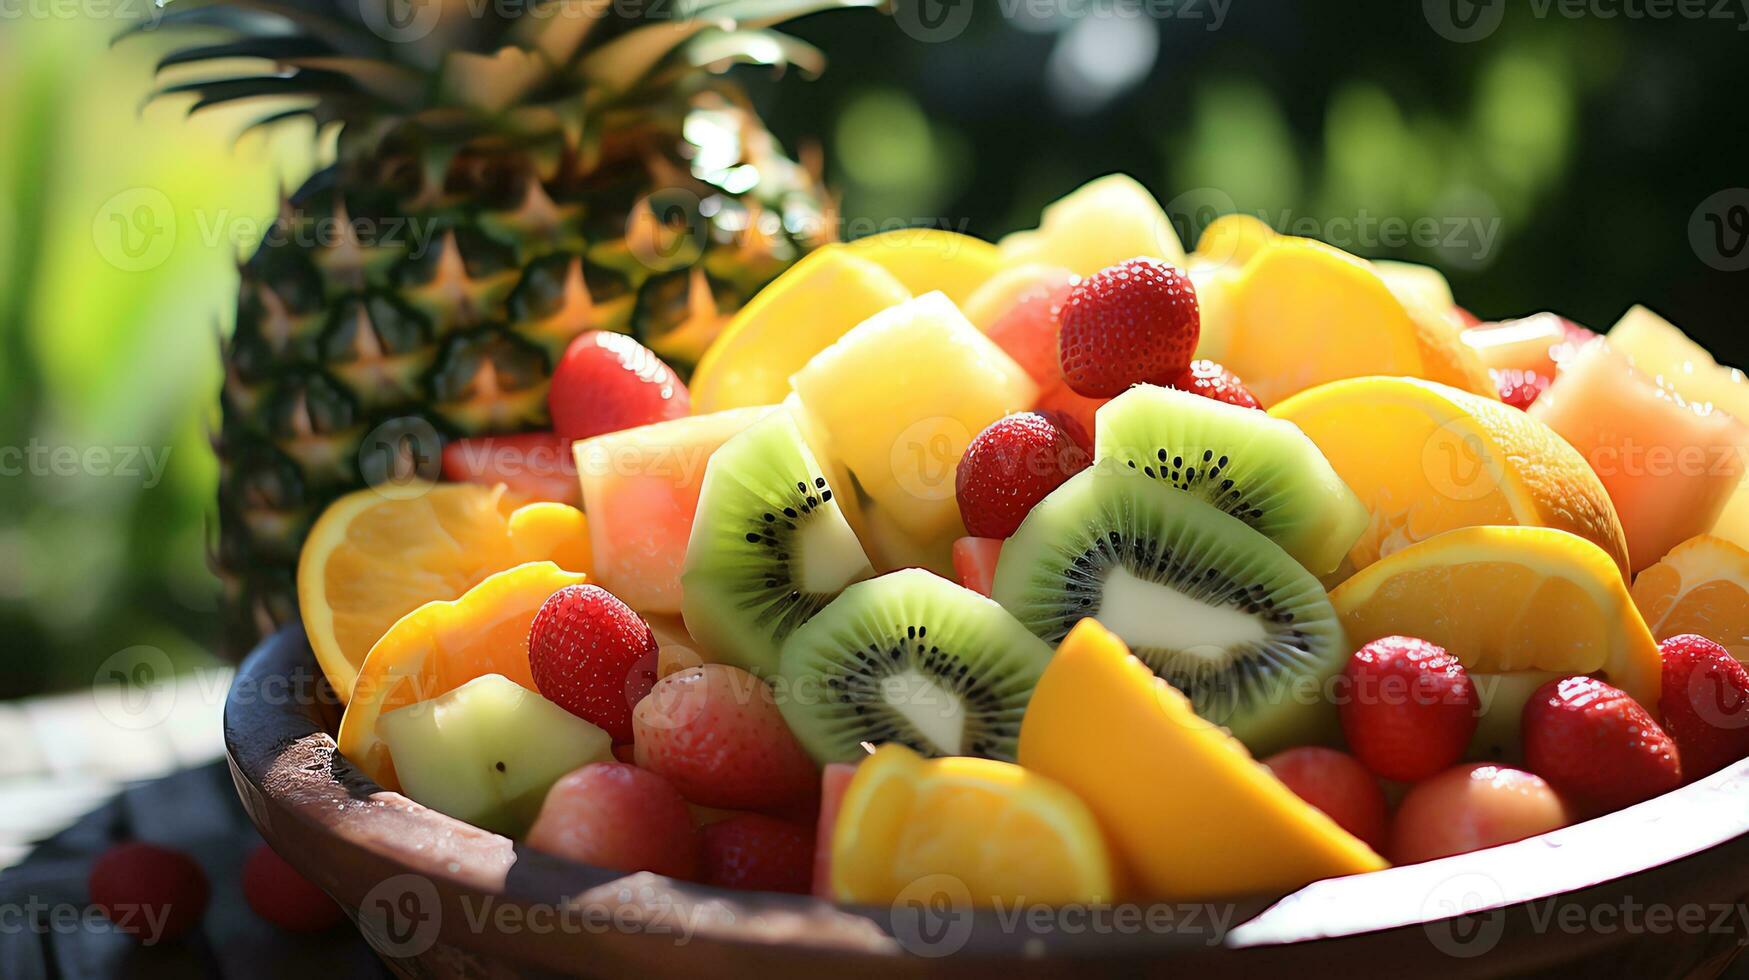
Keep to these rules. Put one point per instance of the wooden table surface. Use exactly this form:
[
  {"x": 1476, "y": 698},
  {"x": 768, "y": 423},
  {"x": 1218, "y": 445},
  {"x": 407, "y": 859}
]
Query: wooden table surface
[{"x": 82, "y": 771}]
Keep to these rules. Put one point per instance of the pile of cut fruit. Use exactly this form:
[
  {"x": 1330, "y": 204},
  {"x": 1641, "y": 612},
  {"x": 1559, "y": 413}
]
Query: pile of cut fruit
[{"x": 1009, "y": 562}]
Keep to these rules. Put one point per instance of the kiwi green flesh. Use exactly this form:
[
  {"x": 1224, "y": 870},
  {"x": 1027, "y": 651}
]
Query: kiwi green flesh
[
  {"x": 769, "y": 546},
  {"x": 1209, "y": 604},
  {"x": 1262, "y": 470},
  {"x": 909, "y": 657}
]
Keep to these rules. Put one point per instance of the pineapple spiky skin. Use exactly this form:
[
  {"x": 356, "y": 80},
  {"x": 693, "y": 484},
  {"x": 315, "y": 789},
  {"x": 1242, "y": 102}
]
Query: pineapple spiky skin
[{"x": 423, "y": 287}]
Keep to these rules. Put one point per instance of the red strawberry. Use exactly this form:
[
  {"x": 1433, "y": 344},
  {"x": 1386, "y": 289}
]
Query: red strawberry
[
  {"x": 1210, "y": 380},
  {"x": 1410, "y": 708},
  {"x": 607, "y": 381},
  {"x": 715, "y": 732},
  {"x": 759, "y": 853},
  {"x": 974, "y": 561},
  {"x": 1705, "y": 704},
  {"x": 1336, "y": 783},
  {"x": 536, "y": 465},
  {"x": 155, "y": 894},
  {"x": 1597, "y": 745},
  {"x": 617, "y": 816},
  {"x": 277, "y": 893},
  {"x": 1519, "y": 387},
  {"x": 1134, "y": 322},
  {"x": 593, "y": 656},
  {"x": 1028, "y": 331},
  {"x": 1011, "y": 466}
]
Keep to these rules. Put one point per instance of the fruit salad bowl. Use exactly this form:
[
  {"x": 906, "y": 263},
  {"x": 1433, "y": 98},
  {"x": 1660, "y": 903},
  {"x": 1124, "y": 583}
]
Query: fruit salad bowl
[{"x": 1657, "y": 889}]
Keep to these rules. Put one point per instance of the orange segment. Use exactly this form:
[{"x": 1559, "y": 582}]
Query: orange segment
[
  {"x": 439, "y": 647},
  {"x": 1426, "y": 458},
  {"x": 1504, "y": 599},
  {"x": 1701, "y": 586},
  {"x": 1007, "y": 835},
  {"x": 371, "y": 559}
]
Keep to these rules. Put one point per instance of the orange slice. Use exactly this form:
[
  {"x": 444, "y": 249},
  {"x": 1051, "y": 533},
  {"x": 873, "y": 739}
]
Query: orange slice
[
  {"x": 1701, "y": 586},
  {"x": 372, "y": 558},
  {"x": 1426, "y": 458},
  {"x": 1504, "y": 599},
  {"x": 439, "y": 647},
  {"x": 992, "y": 828}
]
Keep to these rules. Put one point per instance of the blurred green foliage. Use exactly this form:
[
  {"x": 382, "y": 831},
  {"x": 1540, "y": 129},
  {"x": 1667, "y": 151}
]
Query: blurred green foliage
[{"x": 1584, "y": 145}]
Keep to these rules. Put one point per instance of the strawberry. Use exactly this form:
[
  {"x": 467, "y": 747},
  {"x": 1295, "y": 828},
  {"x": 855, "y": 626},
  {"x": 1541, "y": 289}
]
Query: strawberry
[
  {"x": 1410, "y": 708},
  {"x": 1519, "y": 387},
  {"x": 759, "y": 853},
  {"x": 617, "y": 816},
  {"x": 1471, "y": 806},
  {"x": 1336, "y": 783},
  {"x": 535, "y": 465},
  {"x": 1134, "y": 322},
  {"x": 607, "y": 381},
  {"x": 1009, "y": 467},
  {"x": 277, "y": 893},
  {"x": 1028, "y": 331},
  {"x": 155, "y": 894},
  {"x": 1597, "y": 745},
  {"x": 593, "y": 656},
  {"x": 1210, "y": 380},
  {"x": 974, "y": 561},
  {"x": 1705, "y": 704},
  {"x": 715, "y": 732}
]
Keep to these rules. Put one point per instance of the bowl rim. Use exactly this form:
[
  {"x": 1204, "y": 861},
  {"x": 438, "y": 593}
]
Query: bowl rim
[{"x": 298, "y": 788}]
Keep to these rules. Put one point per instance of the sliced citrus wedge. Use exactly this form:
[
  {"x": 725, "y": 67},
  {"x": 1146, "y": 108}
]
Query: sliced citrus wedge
[
  {"x": 927, "y": 259},
  {"x": 1506, "y": 599},
  {"x": 1701, "y": 586},
  {"x": 1426, "y": 458},
  {"x": 371, "y": 559},
  {"x": 439, "y": 647},
  {"x": 1190, "y": 815},
  {"x": 992, "y": 828},
  {"x": 794, "y": 317}
]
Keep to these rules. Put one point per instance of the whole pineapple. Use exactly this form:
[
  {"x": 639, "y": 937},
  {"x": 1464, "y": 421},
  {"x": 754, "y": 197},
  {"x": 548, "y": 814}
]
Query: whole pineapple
[{"x": 505, "y": 178}]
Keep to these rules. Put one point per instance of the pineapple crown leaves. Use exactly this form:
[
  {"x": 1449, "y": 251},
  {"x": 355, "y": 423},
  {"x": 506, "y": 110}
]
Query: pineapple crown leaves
[{"x": 460, "y": 68}]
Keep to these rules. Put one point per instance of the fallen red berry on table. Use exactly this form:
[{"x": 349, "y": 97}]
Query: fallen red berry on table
[
  {"x": 155, "y": 894},
  {"x": 1705, "y": 704},
  {"x": 617, "y": 816},
  {"x": 1597, "y": 745},
  {"x": 1336, "y": 783},
  {"x": 1135, "y": 322},
  {"x": 1210, "y": 380},
  {"x": 716, "y": 734},
  {"x": 759, "y": 853},
  {"x": 593, "y": 656},
  {"x": 1009, "y": 467},
  {"x": 608, "y": 381},
  {"x": 1409, "y": 708},
  {"x": 282, "y": 896}
]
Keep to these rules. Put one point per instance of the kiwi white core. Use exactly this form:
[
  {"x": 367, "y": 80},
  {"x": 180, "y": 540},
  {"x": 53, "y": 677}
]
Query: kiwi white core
[
  {"x": 936, "y": 714},
  {"x": 829, "y": 556},
  {"x": 1148, "y": 614}
]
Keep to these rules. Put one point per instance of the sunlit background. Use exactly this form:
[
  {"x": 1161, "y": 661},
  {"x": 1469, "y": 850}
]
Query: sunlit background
[{"x": 1575, "y": 151}]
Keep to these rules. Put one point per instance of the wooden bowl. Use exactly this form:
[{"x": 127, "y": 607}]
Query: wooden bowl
[{"x": 1655, "y": 890}]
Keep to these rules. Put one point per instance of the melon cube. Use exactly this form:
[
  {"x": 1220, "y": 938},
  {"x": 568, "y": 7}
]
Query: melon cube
[
  {"x": 640, "y": 491},
  {"x": 1098, "y": 225},
  {"x": 901, "y": 395},
  {"x": 488, "y": 751},
  {"x": 1669, "y": 466},
  {"x": 1525, "y": 344}
]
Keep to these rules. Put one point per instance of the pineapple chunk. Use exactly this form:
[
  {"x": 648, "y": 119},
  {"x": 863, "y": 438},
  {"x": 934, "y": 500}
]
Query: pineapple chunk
[
  {"x": 901, "y": 395},
  {"x": 1100, "y": 224}
]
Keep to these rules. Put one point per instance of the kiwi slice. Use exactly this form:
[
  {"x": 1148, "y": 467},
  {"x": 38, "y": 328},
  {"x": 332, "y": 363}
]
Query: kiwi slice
[
  {"x": 909, "y": 657},
  {"x": 769, "y": 546},
  {"x": 1212, "y": 606},
  {"x": 1262, "y": 470}
]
